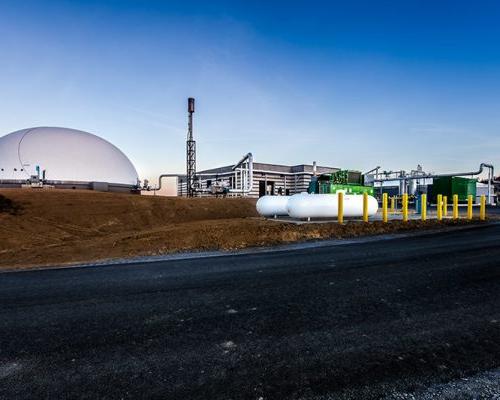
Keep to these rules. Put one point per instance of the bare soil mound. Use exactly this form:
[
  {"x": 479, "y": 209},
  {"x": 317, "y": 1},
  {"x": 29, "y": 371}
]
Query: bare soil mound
[{"x": 55, "y": 227}]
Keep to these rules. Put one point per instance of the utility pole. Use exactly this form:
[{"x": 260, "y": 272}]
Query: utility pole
[{"x": 190, "y": 152}]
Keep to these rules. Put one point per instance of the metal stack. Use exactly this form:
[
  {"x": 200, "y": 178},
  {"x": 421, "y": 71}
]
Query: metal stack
[{"x": 190, "y": 152}]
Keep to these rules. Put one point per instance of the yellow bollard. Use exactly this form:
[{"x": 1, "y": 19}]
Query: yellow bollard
[
  {"x": 423, "y": 206},
  {"x": 439, "y": 207},
  {"x": 365, "y": 207},
  {"x": 445, "y": 206},
  {"x": 482, "y": 209},
  {"x": 384, "y": 207},
  {"x": 340, "y": 216},
  {"x": 455, "y": 206},
  {"x": 393, "y": 205},
  {"x": 469, "y": 207},
  {"x": 405, "y": 207}
]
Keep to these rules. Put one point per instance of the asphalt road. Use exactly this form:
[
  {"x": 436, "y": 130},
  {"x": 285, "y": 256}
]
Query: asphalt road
[{"x": 399, "y": 318}]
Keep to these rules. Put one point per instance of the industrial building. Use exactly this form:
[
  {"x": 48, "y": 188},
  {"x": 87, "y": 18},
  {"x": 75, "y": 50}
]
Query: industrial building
[
  {"x": 245, "y": 178},
  {"x": 64, "y": 158},
  {"x": 266, "y": 179}
]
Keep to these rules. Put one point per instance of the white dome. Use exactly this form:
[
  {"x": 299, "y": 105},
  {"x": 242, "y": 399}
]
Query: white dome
[{"x": 65, "y": 154}]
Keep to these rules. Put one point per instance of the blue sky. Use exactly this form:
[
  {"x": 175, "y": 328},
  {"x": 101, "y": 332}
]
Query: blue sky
[{"x": 350, "y": 85}]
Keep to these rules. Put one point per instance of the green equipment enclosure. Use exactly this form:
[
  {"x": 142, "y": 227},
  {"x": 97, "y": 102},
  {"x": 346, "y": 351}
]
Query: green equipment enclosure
[
  {"x": 450, "y": 185},
  {"x": 351, "y": 182}
]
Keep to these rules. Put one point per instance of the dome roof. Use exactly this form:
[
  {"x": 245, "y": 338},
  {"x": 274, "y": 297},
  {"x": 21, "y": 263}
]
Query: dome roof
[{"x": 65, "y": 154}]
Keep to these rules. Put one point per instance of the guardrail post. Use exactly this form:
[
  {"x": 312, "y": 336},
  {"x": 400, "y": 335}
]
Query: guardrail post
[
  {"x": 469, "y": 207},
  {"x": 445, "y": 206},
  {"x": 340, "y": 207},
  {"x": 455, "y": 206},
  {"x": 384, "y": 207},
  {"x": 365, "y": 207},
  {"x": 423, "y": 206},
  {"x": 482, "y": 210},
  {"x": 405, "y": 207},
  {"x": 439, "y": 207}
]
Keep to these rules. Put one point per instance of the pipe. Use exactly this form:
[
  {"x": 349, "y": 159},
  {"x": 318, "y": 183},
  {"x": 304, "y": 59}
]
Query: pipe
[
  {"x": 263, "y": 171},
  {"x": 372, "y": 170},
  {"x": 173, "y": 176},
  {"x": 243, "y": 159},
  {"x": 245, "y": 189},
  {"x": 376, "y": 169},
  {"x": 248, "y": 157},
  {"x": 489, "y": 186},
  {"x": 481, "y": 168},
  {"x": 426, "y": 176},
  {"x": 164, "y": 176}
]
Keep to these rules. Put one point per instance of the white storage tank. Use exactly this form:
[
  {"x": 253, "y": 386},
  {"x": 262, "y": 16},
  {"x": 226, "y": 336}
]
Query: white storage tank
[
  {"x": 326, "y": 206},
  {"x": 270, "y": 206}
]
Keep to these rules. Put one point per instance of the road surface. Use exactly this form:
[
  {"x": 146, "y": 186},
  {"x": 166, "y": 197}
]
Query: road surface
[{"x": 411, "y": 317}]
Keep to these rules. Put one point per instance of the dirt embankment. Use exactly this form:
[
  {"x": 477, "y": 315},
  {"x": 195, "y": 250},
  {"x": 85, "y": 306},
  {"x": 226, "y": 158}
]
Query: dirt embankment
[
  {"x": 43, "y": 227},
  {"x": 8, "y": 206}
]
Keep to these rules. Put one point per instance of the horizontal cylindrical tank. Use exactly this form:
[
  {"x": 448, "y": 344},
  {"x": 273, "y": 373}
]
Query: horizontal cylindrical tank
[
  {"x": 269, "y": 206},
  {"x": 326, "y": 206}
]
